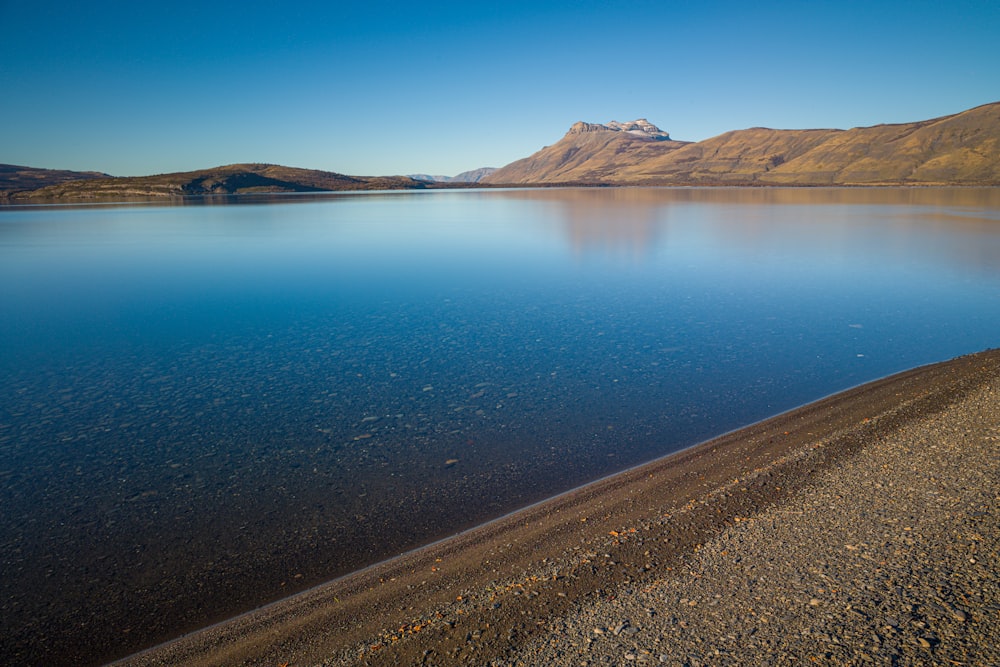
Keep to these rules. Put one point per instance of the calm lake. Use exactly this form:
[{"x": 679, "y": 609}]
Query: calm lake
[{"x": 205, "y": 407}]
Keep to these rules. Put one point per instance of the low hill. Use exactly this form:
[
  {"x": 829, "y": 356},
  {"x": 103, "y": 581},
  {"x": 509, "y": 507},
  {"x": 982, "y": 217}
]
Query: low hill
[
  {"x": 961, "y": 149},
  {"x": 229, "y": 179},
  {"x": 15, "y": 177}
]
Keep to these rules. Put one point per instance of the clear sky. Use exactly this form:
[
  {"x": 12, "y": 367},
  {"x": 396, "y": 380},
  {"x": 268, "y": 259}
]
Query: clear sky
[{"x": 377, "y": 87}]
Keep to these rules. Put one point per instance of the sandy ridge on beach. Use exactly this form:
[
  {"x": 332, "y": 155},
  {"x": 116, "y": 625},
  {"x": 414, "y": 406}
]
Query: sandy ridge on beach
[{"x": 785, "y": 542}]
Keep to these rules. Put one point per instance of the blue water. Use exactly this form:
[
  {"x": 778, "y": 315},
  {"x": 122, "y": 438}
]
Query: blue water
[{"x": 208, "y": 406}]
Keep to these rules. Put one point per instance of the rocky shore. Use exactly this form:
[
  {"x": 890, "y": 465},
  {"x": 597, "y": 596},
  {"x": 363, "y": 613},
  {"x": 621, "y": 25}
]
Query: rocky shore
[
  {"x": 890, "y": 559},
  {"x": 860, "y": 529}
]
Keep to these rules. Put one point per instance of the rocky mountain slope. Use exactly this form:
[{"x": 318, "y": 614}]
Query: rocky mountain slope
[
  {"x": 589, "y": 153},
  {"x": 961, "y": 149}
]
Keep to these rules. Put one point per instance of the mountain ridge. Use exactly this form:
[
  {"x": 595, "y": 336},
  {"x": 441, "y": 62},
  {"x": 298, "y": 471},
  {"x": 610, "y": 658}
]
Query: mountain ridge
[
  {"x": 639, "y": 128},
  {"x": 958, "y": 149},
  {"x": 471, "y": 176}
]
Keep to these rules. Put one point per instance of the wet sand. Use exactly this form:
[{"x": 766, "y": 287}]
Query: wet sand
[{"x": 537, "y": 586}]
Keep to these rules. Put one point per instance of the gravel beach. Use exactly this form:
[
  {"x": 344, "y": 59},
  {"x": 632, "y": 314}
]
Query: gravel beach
[
  {"x": 859, "y": 529},
  {"x": 891, "y": 558}
]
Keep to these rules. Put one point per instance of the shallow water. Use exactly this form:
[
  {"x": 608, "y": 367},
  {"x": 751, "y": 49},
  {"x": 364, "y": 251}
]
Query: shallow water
[{"x": 208, "y": 407}]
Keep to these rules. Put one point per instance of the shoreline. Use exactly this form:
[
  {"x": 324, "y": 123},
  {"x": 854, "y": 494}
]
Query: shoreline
[{"x": 491, "y": 591}]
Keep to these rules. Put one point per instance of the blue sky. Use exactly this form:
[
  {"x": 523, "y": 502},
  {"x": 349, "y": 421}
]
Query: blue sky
[{"x": 378, "y": 88}]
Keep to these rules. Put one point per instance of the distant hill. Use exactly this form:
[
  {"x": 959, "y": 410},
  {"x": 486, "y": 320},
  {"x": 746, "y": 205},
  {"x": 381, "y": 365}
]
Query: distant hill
[
  {"x": 962, "y": 149},
  {"x": 229, "y": 179},
  {"x": 15, "y": 177},
  {"x": 473, "y": 176}
]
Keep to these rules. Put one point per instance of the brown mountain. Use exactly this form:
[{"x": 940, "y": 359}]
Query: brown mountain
[
  {"x": 589, "y": 153},
  {"x": 962, "y": 149},
  {"x": 230, "y": 179}
]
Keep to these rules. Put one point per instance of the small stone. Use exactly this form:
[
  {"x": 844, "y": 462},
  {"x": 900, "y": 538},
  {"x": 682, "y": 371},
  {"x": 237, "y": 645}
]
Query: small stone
[
  {"x": 599, "y": 631},
  {"x": 630, "y": 656},
  {"x": 814, "y": 602},
  {"x": 923, "y": 642},
  {"x": 618, "y": 628},
  {"x": 959, "y": 615}
]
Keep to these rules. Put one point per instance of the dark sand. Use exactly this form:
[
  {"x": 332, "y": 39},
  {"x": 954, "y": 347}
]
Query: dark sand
[{"x": 516, "y": 590}]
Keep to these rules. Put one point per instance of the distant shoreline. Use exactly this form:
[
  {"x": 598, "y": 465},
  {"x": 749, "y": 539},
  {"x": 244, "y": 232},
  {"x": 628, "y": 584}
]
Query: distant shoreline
[
  {"x": 10, "y": 200},
  {"x": 952, "y": 150},
  {"x": 493, "y": 591}
]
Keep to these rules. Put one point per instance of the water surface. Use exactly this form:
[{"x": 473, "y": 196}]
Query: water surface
[{"x": 209, "y": 406}]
